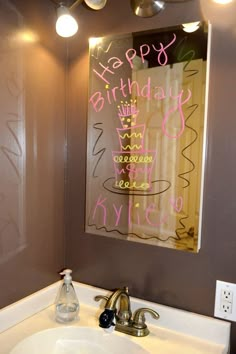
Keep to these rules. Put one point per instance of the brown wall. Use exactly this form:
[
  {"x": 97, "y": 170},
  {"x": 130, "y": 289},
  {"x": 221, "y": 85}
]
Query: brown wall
[
  {"x": 32, "y": 90},
  {"x": 32, "y": 151},
  {"x": 174, "y": 278}
]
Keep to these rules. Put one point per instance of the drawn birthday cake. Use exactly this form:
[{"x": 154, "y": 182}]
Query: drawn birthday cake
[{"x": 133, "y": 163}]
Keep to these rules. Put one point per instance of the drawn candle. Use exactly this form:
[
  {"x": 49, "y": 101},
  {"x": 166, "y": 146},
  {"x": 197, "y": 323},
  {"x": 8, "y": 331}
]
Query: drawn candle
[{"x": 127, "y": 113}]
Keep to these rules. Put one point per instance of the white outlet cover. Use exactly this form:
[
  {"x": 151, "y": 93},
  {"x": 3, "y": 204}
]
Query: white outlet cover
[{"x": 222, "y": 286}]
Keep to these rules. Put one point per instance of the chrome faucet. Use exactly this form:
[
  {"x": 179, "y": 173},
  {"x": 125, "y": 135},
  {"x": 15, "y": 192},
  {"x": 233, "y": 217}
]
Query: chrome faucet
[{"x": 122, "y": 318}]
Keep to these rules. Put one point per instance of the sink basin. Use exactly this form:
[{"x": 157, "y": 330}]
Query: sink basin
[{"x": 76, "y": 340}]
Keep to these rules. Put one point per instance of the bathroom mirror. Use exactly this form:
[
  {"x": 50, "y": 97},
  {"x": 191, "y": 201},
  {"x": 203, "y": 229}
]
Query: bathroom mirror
[{"x": 147, "y": 109}]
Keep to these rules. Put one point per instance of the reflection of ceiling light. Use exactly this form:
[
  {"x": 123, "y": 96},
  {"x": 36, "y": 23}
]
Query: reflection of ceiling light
[
  {"x": 191, "y": 27},
  {"x": 28, "y": 36},
  {"x": 66, "y": 25},
  {"x": 25, "y": 36},
  {"x": 93, "y": 41},
  {"x": 223, "y": 2}
]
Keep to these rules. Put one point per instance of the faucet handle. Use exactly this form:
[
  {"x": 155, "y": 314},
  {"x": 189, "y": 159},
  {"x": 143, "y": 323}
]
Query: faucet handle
[
  {"x": 100, "y": 297},
  {"x": 139, "y": 317}
]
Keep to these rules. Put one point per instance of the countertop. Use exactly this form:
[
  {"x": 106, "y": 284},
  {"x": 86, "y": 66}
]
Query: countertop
[{"x": 176, "y": 331}]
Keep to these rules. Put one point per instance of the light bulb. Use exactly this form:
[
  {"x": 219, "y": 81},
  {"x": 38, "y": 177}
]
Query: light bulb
[{"x": 66, "y": 25}]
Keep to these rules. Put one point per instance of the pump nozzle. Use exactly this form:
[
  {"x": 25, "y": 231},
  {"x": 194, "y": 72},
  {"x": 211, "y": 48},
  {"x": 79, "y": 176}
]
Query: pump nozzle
[{"x": 67, "y": 275}]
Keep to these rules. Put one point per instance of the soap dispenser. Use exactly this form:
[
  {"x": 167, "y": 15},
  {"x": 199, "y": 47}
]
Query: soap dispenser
[{"x": 67, "y": 304}]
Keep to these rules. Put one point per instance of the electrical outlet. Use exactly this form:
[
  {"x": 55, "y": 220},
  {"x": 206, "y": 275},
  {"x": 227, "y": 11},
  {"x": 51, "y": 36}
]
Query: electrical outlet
[
  {"x": 226, "y": 307},
  {"x": 227, "y": 295},
  {"x": 225, "y": 300}
]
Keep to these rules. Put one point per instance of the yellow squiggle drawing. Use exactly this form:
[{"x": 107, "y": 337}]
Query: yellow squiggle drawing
[
  {"x": 129, "y": 136},
  {"x": 132, "y": 147}
]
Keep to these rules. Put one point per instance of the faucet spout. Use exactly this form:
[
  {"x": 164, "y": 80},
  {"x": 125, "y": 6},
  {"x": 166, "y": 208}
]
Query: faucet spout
[
  {"x": 123, "y": 294},
  {"x": 124, "y": 314}
]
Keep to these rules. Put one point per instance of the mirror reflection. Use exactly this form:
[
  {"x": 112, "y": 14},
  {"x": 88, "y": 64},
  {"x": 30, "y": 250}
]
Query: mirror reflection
[{"x": 146, "y": 136}]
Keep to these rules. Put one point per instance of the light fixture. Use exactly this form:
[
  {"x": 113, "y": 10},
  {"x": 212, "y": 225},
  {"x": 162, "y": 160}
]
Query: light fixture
[
  {"x": 191, "y": 26},
  {"x": 95, "y": 4},
  {"x": 147, "y": 8},
  {"x": 176, "y": 1},
  {"x": 223, "y": 2},
  {"x": 66, "y": 25}
]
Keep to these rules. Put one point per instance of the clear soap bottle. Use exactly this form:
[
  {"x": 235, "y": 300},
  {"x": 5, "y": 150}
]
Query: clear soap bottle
[{"x": 67, "y": 304}]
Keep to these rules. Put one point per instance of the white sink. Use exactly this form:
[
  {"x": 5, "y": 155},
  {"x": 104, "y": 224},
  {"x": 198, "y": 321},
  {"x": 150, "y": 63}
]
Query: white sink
[{"x": 76, "y": 340}]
